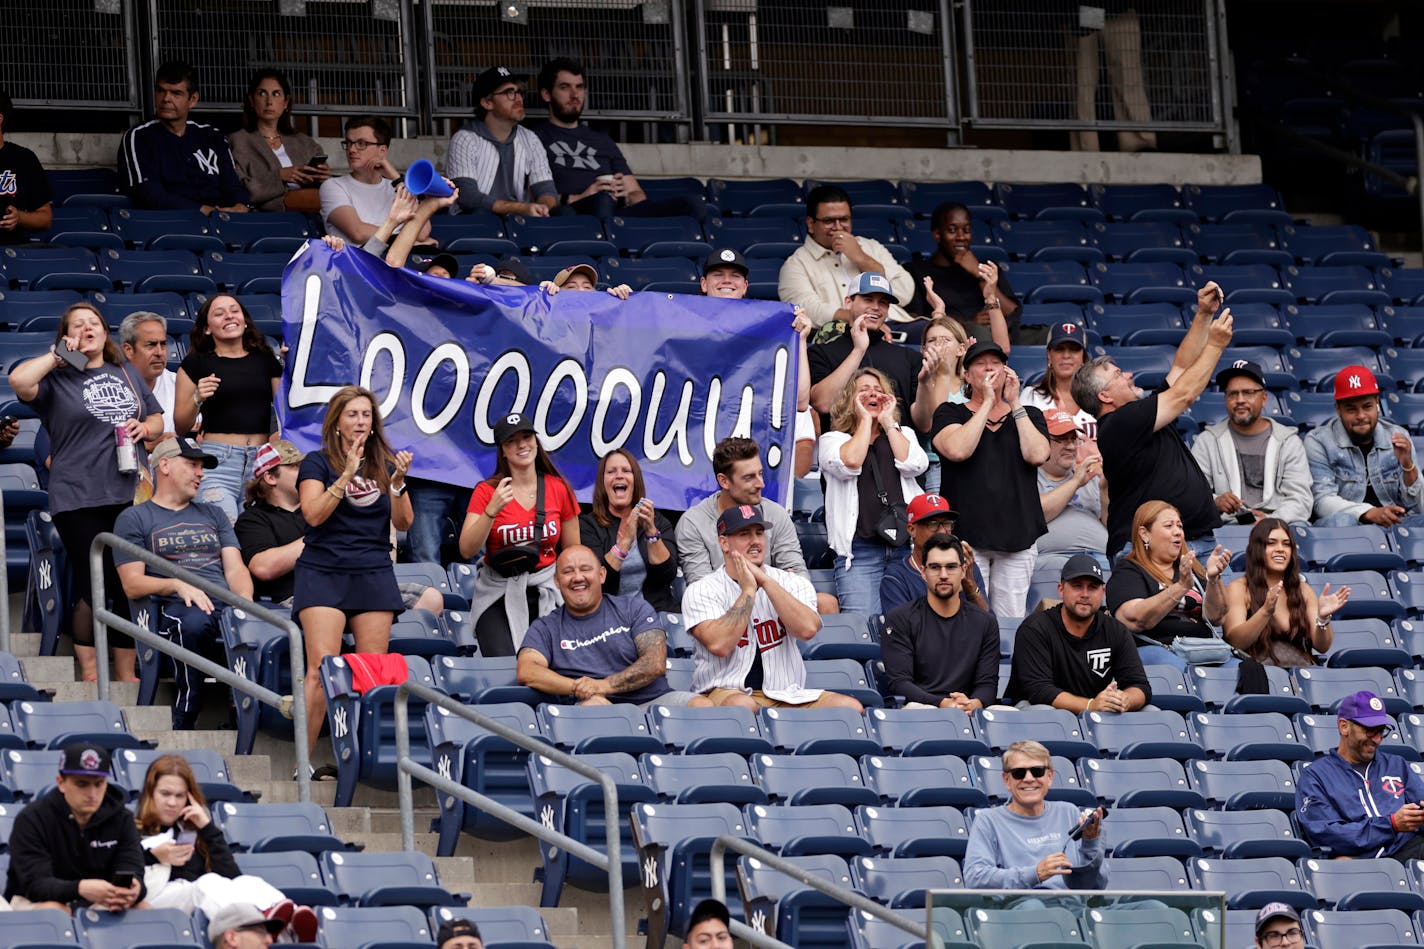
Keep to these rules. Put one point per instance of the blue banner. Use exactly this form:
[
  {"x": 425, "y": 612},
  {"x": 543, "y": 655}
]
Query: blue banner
[{"x": 663, "y": 375}]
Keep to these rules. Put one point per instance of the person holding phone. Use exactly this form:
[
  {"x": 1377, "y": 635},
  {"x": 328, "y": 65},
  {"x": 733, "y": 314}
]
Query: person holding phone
[
  {"x": 280, "y": 166},
  {"x": 187, "y": 862},
  {"x": 629, "y": 535},
  {"x": 1029, "y": 843}
]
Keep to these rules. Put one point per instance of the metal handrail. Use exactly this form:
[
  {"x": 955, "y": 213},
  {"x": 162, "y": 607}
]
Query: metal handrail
[
  {"x": 406, "y": 767},
  {"x": 293, "y": 707},
  {"x": 4, "y": 585},
  {"x": 854, "y": 900}
]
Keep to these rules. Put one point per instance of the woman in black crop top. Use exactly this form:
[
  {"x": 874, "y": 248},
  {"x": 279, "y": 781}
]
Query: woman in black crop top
[{"x": 230, "y": 376}]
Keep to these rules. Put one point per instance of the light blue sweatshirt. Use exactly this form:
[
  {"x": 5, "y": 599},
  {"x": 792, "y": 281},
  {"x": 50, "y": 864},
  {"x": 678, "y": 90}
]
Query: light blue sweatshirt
[{"x": 1005, "y": 849}]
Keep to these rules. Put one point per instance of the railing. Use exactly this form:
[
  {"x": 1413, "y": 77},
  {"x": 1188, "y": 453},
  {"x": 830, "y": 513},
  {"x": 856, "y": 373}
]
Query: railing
[
  {"x": 4, "y": 585},
  {"x": 407, "y": 767},
  {"x": 294, "y": 707},
  {"x": 854, "y": 900}
]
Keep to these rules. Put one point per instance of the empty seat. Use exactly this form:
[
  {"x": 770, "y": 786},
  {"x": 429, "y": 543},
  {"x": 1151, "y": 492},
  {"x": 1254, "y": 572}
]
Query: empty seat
[
  {"x": 812, "y": 779},
  {"x": 533, "y": 234},
  {"x": 1143, "y": 734},
  {"x": 67, "y": 268},
  {"x": 1250, "y": 883},
  {"x": 1129, "y": 926},
  {"x": 387, "y": 879},
  {"x": 793, "y": 830},
  {"x": 818, "y": 731},
  {"x": 1261, "y": 832},
  {"x": 722, "y": 777},
  {"x": 1057, "y": 729},
  {"x": 484, "y": 762},
  {"x": 1248, "y": 736},
  {"x": 481, "y": 679},
  {"x": 1243, "y": 785},
  {"x": 797, "y": 914},
  {"x": 1011, "y": 928},
  {"x": 100, "y": 929},
  {"x": 1224, "y": 202},
  {"x": 1148, "y": 832},
  {"x": 1361, "y": 884},
  {"x": 346, "y": 927},
  {"x": 1238, "y": 243},
  {"x": 921, "y": 781},
  {"x": 56, "y": 724},
  {"x": 1140, "y": 783},
  {"x": 1335, "y": 285},
  {"x": 587, "y": 729},
  {"x": 1121, "y": 202},
  {"x": 246, "y": 273},
  {"x": 707, "y": 730},
  {"x": 1358, "y": 929},
  {"x": 912, "y": 732},
  {"x": 1342, "y": 324},
  {"x": 1027, "y": 200},
  {"x": 264, "y": 828},
  {"x": 901, "y": 882},
  {"x": 676, "y": 839},
  {"x": 914, "y": 831},
  {"x": 41, "y": 927}
]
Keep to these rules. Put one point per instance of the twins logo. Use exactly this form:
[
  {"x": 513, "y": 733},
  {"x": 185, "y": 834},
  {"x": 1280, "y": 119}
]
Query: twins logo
[
  {"x": 208, "y": 161},
  {"x": 8, "y": 182},
  {"x": 1393, "y": 784},
  {"x": 1100, "y": 660}
]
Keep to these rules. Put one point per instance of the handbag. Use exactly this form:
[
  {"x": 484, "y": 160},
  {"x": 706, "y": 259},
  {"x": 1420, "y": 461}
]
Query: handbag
[
  {"x": 522, "y": 558},
  {"x": 1201, "y": 650},
  {"x": 891, "y": 525}
]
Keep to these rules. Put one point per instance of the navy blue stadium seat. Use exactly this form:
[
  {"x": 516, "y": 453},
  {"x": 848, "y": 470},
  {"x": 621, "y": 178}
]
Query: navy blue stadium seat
[
  {"x": 266, "y": 828},
  {"x": 1027, "y": 200},
  {"x": 922, "y": 197},
  {"x": 902, "y": 882},
  {"x": 798, "y": 830},
  {"x": 29, "y": 773},
  {"x": 912, "y": 732},
  {"x": 42, "y": 308},
  {"x": 1332, "y": 244},
  {"x": 636, "y": 235},
  {"x": 674, "y": 841},
  {"x": 56, "y": 724},
  {"x": 1243, "y": 785},
  {"x": 845, "y": 676},
  {"x": 518, "y": 926},
  {"x": 294, "y": 872},
  {"x": 1228, "y": 202},
  {"x": 273, "y": 232},
  {"x": 1148, "y": 832},
  {"x": 638, "y": 274},
  {"x": 261, "y": 653},
  {"x": 1404, "y": 284},
  {"x": 405, "y": 878},
  {"x": 362, "y": 726},
  {"x": 1011, "y": 928},
  {"x": 1140, "y": 783},
  {"x": 1239, "y": 243},
  {"x": 743, "y": 233},
  {"x": 1142, "y": 734},
  {"x": 348, "y": 927},
  {"x": 1134, "y": 282},
  {"x": 1259, "y": 324},
  {"x": 1366, "y": 642},
  {"x": 914, "y": 831},
  {"x": 1254, "y": 736},
  {"x": 41, "y": 927},
  {"x": 1250, "y": 883},
  {"x": 707, "y": 730},
  {"x": 817, "y": 731},
  {"x": 450, "y": 227},
  {"x": 1357, "y": 547},
  {"x": 52, "y": 268},
  {"x": 481, "y": 679},
  {"x": 1359, "y": 929},
  {"x": 1046, "y": 240},
  {"x": 418, "y": 632},
  {"x": 793, "y": 912},
  {"x": 100, "y": 929},
  {"x": 1170, "y": 691},
  {"x": 484, "y": 762},
  {"x": 246, "y": 273},
  {"x": 1122, "y": 202},
  {"x": 842, "y": 636},
  {"x": 1261, "y": 832},
  {"x": 1361, "y": 884},
  {"x": 863, "y": 191},
  {"x": 1370, "y": 593},
  {"x": 591, "y": 729},
  {"x": 1337, "y": 324},
  {"x": 813, "y": 779},
  {"x": 1245, "y": 283},
  {"x": 141, "y": 227},
  {"x": 1334, "y": 285},
  {"x": 720, "y": 778},
  {"x": 534, "y": 234},
  {"x": 925, "y": 781}
]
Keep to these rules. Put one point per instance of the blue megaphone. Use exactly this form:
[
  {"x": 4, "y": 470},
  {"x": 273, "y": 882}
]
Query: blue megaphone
[{"x": 422, "y": 179}]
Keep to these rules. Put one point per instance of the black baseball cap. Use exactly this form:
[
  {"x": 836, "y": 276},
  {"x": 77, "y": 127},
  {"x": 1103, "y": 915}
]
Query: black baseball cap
[
  {"x": 1081, "y": 565},
  {"x": 511, "y": 425},
  {"x": 86, "y": 758},
  {"x": 455, "y": 927},
  {"x": 981, "y": 348},
  {"x": 448, "y": 261},
  {"x": 514, "y": 269},
  {"x": 709, "y": 909},
  {"x": 490, "y": 80},
  {"x": 1241, "y": 367},
  {"x": 738, "y": 518},
  {"x": 725, "y": 257}
]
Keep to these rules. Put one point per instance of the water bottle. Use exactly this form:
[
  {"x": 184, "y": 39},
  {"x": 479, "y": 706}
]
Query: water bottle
[{"x": 128, "y": 459}]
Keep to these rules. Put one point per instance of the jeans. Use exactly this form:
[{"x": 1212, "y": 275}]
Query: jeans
[
  {"x": 1346, "y": 519},
  {"x": 858, "y": 585},
  {"x": 432, "y": 502},
  {"x": 224, "y": 484},
  {"x": 1007, "y": 578},
  {"x": 1162, "y": 656}
]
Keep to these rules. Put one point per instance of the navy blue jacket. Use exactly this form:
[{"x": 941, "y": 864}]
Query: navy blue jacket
[
  {"x": 163, "y": 170},
  {"x": 1348, "y": 812}
]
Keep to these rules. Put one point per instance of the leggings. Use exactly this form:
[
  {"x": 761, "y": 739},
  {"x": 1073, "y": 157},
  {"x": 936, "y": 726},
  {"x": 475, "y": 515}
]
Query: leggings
[{"x": 77, "y": 529}]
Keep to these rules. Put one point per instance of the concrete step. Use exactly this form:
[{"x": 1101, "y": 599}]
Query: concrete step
[
  {"x": 58, "y": 669},
  {"x": 387, "y": 820},
  {"x": 26, "y": 645},
  {"x": 391, "y": 843},
  {"x": 457, "y": 874},
  {"x": 220, "y": 741},
  {"x": 353, "y": 823}
]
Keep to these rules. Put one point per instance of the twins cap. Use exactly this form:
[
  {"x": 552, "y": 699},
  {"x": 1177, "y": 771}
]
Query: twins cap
[
  {"x": 1079, "y": 566},
  {"x": 1363, "y": 708},
  {"x": 871, "y": 282},
  {"x": 490, "y": 80},
  {"x": 1354, "y": 381},
  {"x": 181, "y": 447},
  {"x": 924, "y": 506},
  {"x": 273, "y": 454},
  {"x": 1241, "y": 367},
  {"x": 1060, "y": 422},
  {"x": 725, "y": 257},
  {"x": 240, "y": 916},
  {"x": 1275, "y": 911},
  {"x": 1066, "y": 333},
  {"x": 85, "y": 758},
  {"x": 739, "y": 518},
  {"x": 511, "y": 425}
]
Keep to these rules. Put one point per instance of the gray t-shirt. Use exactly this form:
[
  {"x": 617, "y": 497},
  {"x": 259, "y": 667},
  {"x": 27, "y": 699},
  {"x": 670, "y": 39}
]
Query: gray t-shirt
[
  {"x": 79, "y": 411},
  {"x": 1251, "y": 458},
  {"x": 599, "y": 644},
  {"x": 1079, "y": 526},
  {"x": 632, "y": 573},
  {"x": 699, "y": 553},
  {"x": 192, "y": 537}
]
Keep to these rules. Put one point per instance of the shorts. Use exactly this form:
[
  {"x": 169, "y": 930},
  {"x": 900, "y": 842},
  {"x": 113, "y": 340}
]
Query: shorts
[
  {"x": 717, "y": 695},
  {"x": 353, "y": 592}
]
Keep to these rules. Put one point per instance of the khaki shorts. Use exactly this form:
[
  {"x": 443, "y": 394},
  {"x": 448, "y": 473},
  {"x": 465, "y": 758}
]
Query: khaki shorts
[{"x": 719, "y": 696}]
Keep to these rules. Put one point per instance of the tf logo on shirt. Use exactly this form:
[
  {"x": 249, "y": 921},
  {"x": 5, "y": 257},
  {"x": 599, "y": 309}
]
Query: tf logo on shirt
[{"x": 1100, "y": 660}]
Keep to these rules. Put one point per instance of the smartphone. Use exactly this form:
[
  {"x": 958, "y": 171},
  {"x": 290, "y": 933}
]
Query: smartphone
[
  {"x": 7, "y": 421},
  {"x": 186, "y": 836},
  {"x": 72, "y": 356},
  {"x": 1077, "y": 832},
  {"x": 1245, "y": 517},
  {"x": 317, "y": 160},
  {"x": 124, "y": 880}
]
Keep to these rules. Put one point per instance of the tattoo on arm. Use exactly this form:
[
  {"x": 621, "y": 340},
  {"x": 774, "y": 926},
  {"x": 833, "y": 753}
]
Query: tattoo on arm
[
  {"x": 651, "y": 663},
  {"x": 741, "y": 612}
]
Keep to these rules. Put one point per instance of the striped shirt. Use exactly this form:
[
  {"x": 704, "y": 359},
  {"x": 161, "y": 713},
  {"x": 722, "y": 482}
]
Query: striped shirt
[{"x": 475, "y": 157}]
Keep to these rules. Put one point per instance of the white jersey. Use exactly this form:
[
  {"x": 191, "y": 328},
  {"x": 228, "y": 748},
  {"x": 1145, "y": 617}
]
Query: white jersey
[{"x": 783, "y": 672}]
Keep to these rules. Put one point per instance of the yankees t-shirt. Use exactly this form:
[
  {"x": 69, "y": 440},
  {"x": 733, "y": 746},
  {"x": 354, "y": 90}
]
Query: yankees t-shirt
[
  {"x": 357, "y": 535},
  {"x": 23, "y": 185},
  {"x": 192, "y": 538},
  {"x": 783, "y": 672},
  {"x": 599, "y": 644},
  {"x": 579, "y": 155},
  {"x": 515, "y": 523}
]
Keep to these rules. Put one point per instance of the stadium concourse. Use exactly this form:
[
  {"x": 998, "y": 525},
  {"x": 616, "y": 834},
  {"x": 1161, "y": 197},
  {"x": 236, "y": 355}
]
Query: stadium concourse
[{"x": 1202, "y": 790}]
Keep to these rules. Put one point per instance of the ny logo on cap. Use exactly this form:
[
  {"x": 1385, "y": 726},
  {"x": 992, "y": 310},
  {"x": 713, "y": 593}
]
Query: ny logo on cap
[
  {"x": 1353, "y": 382},
  {"x": 729, "y": 255},
  {"x": 1239, "y": 364},
  {"x": 502, "y": 71},
  {"x": 512, "y": 419}
]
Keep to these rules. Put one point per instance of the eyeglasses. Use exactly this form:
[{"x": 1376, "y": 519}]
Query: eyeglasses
[
  {"x": 943, "y": 567},
  {"x": 1018, "y": 774},
  {"x": 510, "y": 94},
  {"x": 1275, "y": 937},
  {"x": 842, "y": 221},
  {"x": 1375, "y": 731},
  {"x": 358, "y": 145},
  {"x": 1243, "y": 394}
]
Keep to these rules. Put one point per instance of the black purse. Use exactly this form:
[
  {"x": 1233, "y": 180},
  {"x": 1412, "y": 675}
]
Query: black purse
[
  {"x": 891, "y": 526},
  {"x": 522, "y": 558}
]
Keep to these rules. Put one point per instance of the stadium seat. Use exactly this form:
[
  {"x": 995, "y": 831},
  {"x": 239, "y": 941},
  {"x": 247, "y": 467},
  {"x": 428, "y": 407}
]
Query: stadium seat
[
  {"x": 279, "y": 232},
  {"x": 1361, "y": 884},
  {"x": 262, "y": 653},
  {"x": 1057, "y": 729},
  {"x": 988, "y": 773},
  {"x": 131, "y": 765},
  {"x": 267, "y": 828},
  {"x": 914, "y": 831},
  {"x": 1046, "y": 240},
  {"x": 140, "y": 227},
  {"x": 56, "y": 724},
  {"x": 1122, "y": 202},
  {"x": 520, "y": 927},
  {"x": 719, "y": 778},
  {"x": 1370, "y": 593},
  {"x": 638, "y": 274},
  {"x": 1259, "y": 324},
  {"x": 1366, "y": 642},
  {"x": 1132, "y": 926},
  {"x": 1323, "y": 688},
  {"x": 387, "y": 879},
  {"x": 1144, "y": 324},
  {"x": 41, "y": 927},
  {"x": 913, "y": 732},
  {"x": 864, "y": 191},
  {"x": 451, "y": 227},
  {"x": 813, "y": 779},
  {"x": 1139, "y": 240},
  {"x": 1334, "y": 285},
  {"x": 100, "y": 929},
  {"x": 1239, "y": 243},
  {"x": 707, "y": 730},
  {"x": 534, "y": 234},
  {"x": 593, "y": 729},
  {"x": 930, "y": 780},
  {"x": 1252, "y": 882},
  {"x": 1253, "y": 736},
  {"x": 1261, "y": 832},
  {"x": 799, "y": 830},
  {"x": 1243, "y": 785},
  {"x": 742, "y": 233},
  {"x": 348, "y": 927},
  {"x": 53, "y": 268},
  {"x": 1232, "y": 202},
  {"x": 1358, "y": 929},
  {"x": 14, "y": 686},
  {"x": 673, "y": 842},
  {"x": 418, "y": 632},
  {"x": 1143, "y": 283},
  {"x": 817, "y": 731},
  {"x": 845, "y": 676},
  {"x": 1025, "y": 201},
  {"x": 42, "y": 308},
  {"x": 484, "y": 762},
  {"x": 362, "y": 726},
  {"x": 1332, "y": 245},
  {"x": 636, "y": 235},
  {"x": 1148, "y": 832},
  {"x": 871, "y": 932},
  {"x": 1012, "y": 928},
  {"x": 26, "y": 774},
  {"x": 481, "y": 679},
  {"x": 1359, "y": 547},
  {"x": 842, "y": 636},
  {"x": 293, "y": 872},
  {"x": 1140, "y": 783},
  {"x": 902, "y": 882},
  {"x": 1338, "y": 324},
  {"x": 246, "y": 273},
  {"x": 1169, "y": 690},
  {"x": 1142, "y": 734}
]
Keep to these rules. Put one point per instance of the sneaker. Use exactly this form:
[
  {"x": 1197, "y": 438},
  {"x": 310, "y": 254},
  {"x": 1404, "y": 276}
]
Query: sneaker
[
  {"x": 304, "y": 923},
  {"x": 281, "y": 910}
]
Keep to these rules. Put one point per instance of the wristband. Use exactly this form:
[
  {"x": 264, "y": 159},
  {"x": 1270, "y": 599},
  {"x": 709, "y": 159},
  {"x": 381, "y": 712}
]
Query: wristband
[
  {"x": 654, "y": 537},
  {"x": 1322, "y": 622},
  {"x": 1410, "y": 470},
  {"x": 991, "y": 304},
  {"x": 336, "y": 492},
  {"x": 619, "y": 552},
  {"x": 1019, "y": 413}
]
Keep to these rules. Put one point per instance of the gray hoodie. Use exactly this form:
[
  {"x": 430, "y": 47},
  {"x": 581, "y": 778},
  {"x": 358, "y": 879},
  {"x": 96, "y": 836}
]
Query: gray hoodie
[{"x": 1286, "y": 492}]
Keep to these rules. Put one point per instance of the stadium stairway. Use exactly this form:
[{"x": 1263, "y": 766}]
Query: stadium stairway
[{"x": 496, "y": 873}]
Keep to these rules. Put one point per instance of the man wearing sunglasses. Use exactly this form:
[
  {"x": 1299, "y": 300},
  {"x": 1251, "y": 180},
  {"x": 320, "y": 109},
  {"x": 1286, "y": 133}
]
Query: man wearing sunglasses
[
  {"x": 1025, "y": 844},
  {"x": 1358, "y": 801}
]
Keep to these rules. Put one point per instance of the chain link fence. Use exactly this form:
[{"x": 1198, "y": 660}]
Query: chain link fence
[{"x": 69, "y": 53}]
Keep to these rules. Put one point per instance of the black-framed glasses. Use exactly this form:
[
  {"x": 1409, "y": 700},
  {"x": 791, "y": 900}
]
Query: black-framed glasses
[
  {"x": 1244, "y": 393},
  {"x": 510, "y": 94},
  {"x": 359, "y": 145},
  {"x": 1037, "y": 770},
  {"x": 1277, "y": 937},
  {"x": 843, "y": 220}
]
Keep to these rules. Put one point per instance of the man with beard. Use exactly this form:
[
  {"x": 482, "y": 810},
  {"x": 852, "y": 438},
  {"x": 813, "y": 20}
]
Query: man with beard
[
  {"x": 926, "y": 516},
  {"x": 497, "y": 164},
  {"x": 939, "y": 651},
  {"x": 973, "y": 291},
  {"x": 144, "y": 336},
  {"x": 1256, "y": 466},
  {"x": 1358, "y": 801},
  {"x": 596, "y": 649},
  {"x": 1075, "y": 656},
  {"x": 590, "y": 172},
  {"x": 1363, "y": 468}
]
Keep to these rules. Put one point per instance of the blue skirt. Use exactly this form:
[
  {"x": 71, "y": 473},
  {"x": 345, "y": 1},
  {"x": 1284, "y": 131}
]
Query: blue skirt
[{"x": 360, "y": 591}]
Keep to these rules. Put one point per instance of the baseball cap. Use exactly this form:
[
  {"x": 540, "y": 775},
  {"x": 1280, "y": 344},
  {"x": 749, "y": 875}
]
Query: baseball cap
[
  {"x": 1241, "y": 367},
  {"x": 981, "y": 348},
  {"x": 925, "y": 506},
  {"x": 1275, "y": 911},
  {"x": 709, "y": 909},
  {"x": 240, "y": 916},
  {"x": 514, "y": 269},
  {"x": 511, "y": 425},
  {"x": 1066, "y": 333},
  {"x": 1354, "y": 381},
  {"x": 1363, "y": 708},
  {"x": 868, "y": 283},
  {"x": 1060, "y": 422},
  {"x": 739, "y": 518},
  {"x": 181, "y": 447},
  {"x": 85, "y": 757},
  {"x": 273, "y": 454},
  {"x": 562, "y": 277},
  {"x": 455, "y": 927},
  {"x": 1079, "y": 566},
  {"x": 490, "y": 80},
  {"x": 725, "y": 257},
  {"x": 448, "y": 261}
]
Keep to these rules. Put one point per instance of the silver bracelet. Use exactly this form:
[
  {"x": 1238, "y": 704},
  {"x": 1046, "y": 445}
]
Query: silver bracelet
[{"x": 1020, "y": 412}]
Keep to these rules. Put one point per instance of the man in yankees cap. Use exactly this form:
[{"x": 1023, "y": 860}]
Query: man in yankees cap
[
  {"x": 1359, "y": 801},
  {"x": 744, "y": 617},
  {"x": 1362, "y": 467}
]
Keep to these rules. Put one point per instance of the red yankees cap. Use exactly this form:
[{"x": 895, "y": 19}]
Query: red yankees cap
[
  {"x": 1354, "y": 381},
  {"x": 927, "y": 505}
]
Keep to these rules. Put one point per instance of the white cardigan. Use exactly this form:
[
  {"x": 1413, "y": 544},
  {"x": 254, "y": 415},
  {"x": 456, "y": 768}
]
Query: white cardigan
[{"x": 842, "y": 495}]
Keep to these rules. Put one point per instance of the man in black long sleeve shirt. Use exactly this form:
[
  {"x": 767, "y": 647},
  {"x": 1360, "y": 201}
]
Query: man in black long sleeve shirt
[
  {"x": 69, "y": 847},
  {"x": 939, "y": 651},
  {"x": 1077, "y": 657}
]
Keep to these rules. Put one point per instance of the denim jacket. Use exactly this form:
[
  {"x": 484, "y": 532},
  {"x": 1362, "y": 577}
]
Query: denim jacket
[{"x": 1337, "y": 470}]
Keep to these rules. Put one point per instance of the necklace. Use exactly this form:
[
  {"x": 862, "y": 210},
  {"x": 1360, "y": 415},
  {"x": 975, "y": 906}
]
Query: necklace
[{"x": 273, "y": 140}]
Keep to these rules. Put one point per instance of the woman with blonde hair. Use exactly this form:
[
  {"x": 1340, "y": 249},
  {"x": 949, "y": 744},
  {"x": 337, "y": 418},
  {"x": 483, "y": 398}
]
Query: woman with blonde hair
[{"x": 870, "y": 461}]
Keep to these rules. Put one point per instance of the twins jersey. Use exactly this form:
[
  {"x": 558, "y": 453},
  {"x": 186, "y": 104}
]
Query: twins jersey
[{"x": 784, "y": 674}]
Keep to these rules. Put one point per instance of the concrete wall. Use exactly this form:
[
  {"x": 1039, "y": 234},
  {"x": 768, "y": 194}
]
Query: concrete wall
[{"x": 70, "y": 150}]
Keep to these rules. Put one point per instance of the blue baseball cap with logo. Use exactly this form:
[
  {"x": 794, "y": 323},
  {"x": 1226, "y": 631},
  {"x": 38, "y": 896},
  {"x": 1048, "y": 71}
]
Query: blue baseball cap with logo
[
  {"x": 739, "y": 517},
  {"x": 1067, "y": 332},
  {"x": 869, "y": 283}
]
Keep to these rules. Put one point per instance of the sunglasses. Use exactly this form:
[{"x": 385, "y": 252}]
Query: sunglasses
[{"x": 1018, "y": 774}]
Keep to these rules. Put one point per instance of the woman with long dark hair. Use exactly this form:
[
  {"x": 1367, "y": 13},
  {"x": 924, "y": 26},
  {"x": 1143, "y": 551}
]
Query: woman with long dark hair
[
  {"x": 352, "y": 491},
  {"x": 1273, "y": 615},
  {"x": 187, "y": 862},
  {"x": 270, "y": 155},
  {"x": 230, "y": 375},
  {"x": 83, "y": 410},
  {"x": 521, "y": 517},
  {"x": 1066, "y": 352},
  {"x": 632, "y": 538}
]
